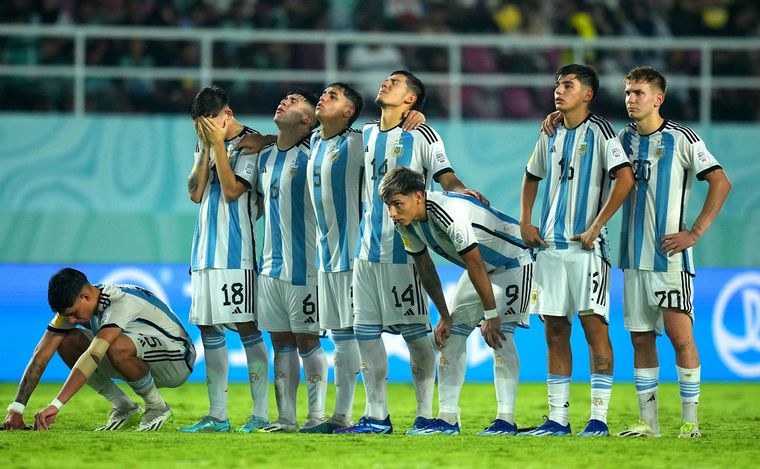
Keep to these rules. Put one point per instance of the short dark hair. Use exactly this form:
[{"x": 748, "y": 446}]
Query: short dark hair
[
  {"x": 647, "y": 75},
  {"x": 310, "y": 98},
  {"x": 353, "y": 96},
  {"x": 585, "y": 74},
  {"x": 209, "y": 102},
  {"x": 414, "y": 84},
  {"x": 401, "y": 180},
  {"x": 64, "y": 287}
]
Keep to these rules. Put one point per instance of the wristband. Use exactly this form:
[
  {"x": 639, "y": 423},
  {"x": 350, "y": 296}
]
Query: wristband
[
  {"x": 491, "y": 313},
  {"x": 17, "y": 407},
  {"x": 56, "y": 403}
]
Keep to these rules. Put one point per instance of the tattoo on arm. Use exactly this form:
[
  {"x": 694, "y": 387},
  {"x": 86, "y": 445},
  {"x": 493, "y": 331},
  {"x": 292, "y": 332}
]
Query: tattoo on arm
[
  {"x": 192, "y": 182},
  {"x": 29, "y": 381}
]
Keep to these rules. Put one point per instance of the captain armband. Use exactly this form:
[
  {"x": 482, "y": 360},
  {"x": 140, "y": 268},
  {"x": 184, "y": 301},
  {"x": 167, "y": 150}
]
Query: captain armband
[{"x": 91, "y": 357}]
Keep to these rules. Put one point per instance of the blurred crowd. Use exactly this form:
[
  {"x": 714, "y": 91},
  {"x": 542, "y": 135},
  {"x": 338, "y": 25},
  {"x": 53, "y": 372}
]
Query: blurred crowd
[{"x": 580, "y": 18}]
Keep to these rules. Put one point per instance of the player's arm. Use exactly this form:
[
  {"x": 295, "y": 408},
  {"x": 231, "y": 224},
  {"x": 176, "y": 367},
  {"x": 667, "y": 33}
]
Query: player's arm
[
  {"x": 623, "y": 184},
  {"x": 451, "y": 183},
  {"x": 528, "y": 231},
  {"x": 432, "y": 283},
  {"x": 43, "y": 352},
  {"x": 719, "y": 187},
  {"x": 232, "y": 186},
  {"x": 476, "y": 270},
  {"x": 254, "y": 143},
  {"x": 198, "y": 178},
  {"x": 84, "y": 368}
]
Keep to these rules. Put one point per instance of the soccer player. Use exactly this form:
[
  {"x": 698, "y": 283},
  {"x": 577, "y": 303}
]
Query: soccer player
[
  {"x": 288, "y": 282},
  {"x": 126, "y": 333},
  {"x": 387, "y": 293},
  {"x": 655, "y": 245},
  {"x": 223, "y": 277},
  {"x": 572, "y": 266},
  {"x": 495, "y": 289}
]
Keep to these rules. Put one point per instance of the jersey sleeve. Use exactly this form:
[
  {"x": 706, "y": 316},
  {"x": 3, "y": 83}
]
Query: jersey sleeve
[
  {"x": 412, "y": 243},
  {"x": 461, "y": 234},
  {"x": 614, "y": 156},
  {"x": 60, "y": 324},
  {"x": 536, "y": 166},
  {"x": 699, "y": 159},
  {"x": 433, "y": 152},
  {"x": 245, "y": 169},
  {"x": 120, "y": 313}
]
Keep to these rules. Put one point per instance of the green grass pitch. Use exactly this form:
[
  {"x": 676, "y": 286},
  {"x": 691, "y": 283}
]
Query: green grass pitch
[{"x": 729, "y": 415}]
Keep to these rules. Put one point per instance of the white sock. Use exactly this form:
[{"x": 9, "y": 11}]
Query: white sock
[
  {"x": 452, "y": 365},
  {"x": 646, "y": 380},
  {"x": 287, "y": 374},
  {"x": 601, "y": 389},
  {"x": 146, "y": 388},
  {"x": 347, "y": 363},
  {"x": 315, "y": 374},
  {"x": 688, "y": 385},
  {"x": 374, "y": 366},
  {"x": 506, "y": 372},
  {"x": 258, "y": 373},
  {"x": 422, "y": 362},
  {"x": 559, "y": 398},
  {"x": 217, "y": 370},
  {"x": 108, "y": 389}
]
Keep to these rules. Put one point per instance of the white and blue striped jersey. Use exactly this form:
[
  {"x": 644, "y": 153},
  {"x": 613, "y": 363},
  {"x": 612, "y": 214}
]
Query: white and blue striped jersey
[
  {"x": 334, "y": 175},
  {"x": 457, "y": 223},
  {"x": 664, "y": 164},
  {"x": 288, "y": 248},
  {"x": 578, "y": 165},
  {"x": 224, "y": 232},
  {"x": 136, "y": 310},
  {"x": 421, "y": 150}
]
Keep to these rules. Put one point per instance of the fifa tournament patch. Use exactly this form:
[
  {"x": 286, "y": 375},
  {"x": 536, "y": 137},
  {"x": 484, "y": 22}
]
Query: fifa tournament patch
[
  {"x": 702, "y": 157},
  {"x": 617, "y": 153},
  {"x": 459, "y": 240},
  {"x": 440, "y": 157},
  {"x": 248, "y": 169}
]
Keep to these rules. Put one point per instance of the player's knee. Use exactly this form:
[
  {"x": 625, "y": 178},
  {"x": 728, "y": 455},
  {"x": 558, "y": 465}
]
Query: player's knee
[
  {"x": 641, "y": 340},
  {"x": 306, "y": 342},
  {"x": 246, "y": 329}
]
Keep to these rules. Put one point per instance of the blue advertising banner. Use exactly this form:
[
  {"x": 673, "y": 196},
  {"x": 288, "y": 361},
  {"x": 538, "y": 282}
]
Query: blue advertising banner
[{"x": 726, "y": 303}]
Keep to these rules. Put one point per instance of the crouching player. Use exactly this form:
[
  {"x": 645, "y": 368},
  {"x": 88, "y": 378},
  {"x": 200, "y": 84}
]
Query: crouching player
[
  {"x": 494, "y": 290},
  {"x": 137, "y": 338}
]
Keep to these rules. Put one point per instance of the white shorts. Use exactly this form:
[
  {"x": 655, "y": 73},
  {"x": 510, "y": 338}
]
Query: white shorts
[
  {"x": 223, "y": 296},
  {"x": 336, "y": 302},
  {"x": 647, "y": 293},
  {"x": 284, "y": 307},
  {"x": 569, "y": 281},
  {"x": 511, "y": 289},
  {"x": 388, "y": 294},
  {"x": 170, "y": 361}
]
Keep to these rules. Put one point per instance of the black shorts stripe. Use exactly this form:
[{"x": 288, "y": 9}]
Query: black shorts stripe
[{"x": 527, "y": 282}]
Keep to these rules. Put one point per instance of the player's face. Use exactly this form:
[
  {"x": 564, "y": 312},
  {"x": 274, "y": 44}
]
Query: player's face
[
  {"x": 293, "y": 109},
  {"x": 641, "y": 100},
  {"x": 333, "y": 104},
  {"x": 404, "y": 209},
  {"x": 569, "y": 94},
  {"x": 81, "y": 311},
  {"x": 394, "y": 91}
]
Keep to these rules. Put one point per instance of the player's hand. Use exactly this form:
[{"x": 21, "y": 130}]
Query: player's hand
[
  {"x": 551, "y": 121},
  {"x": 674, "y": 243},
  {"x": 477, "y": 195},
  {"x": 529, "y": 234},
  {"x": 44, "y": 418},
  {"x": 201, "y": 134},
  {"x": 252, "y": 143},
  {"x": 491, "y": 331},
  {"x": 587, "y": 238},
  {"x": 412, "y": 120},
  {"x": 14, "y": 421},
  {"x": 442, "y": 332},
  {"x": 213, "y": 131}
]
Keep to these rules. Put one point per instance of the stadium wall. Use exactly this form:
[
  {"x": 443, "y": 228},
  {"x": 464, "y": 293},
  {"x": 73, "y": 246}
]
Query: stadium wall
[{"x": 108, "y": 192}]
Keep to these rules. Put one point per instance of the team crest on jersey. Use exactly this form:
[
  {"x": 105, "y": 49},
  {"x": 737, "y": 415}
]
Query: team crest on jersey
[
  {"x": 659, "y": 151},
  {"x": 398, "y": 150},
  {"x": 334, "y": 154},
  {"x": 582, "y": 149},
  {"x": 293, "y": 170},
  {"x": 534, "y": 296}
]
